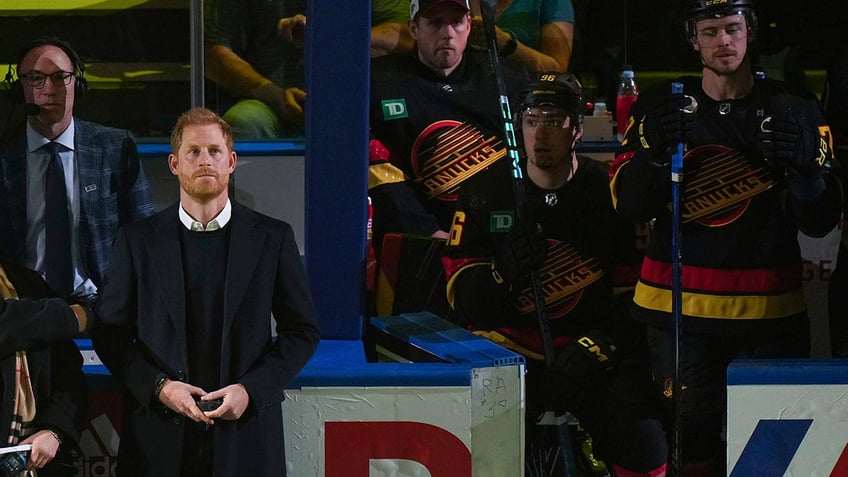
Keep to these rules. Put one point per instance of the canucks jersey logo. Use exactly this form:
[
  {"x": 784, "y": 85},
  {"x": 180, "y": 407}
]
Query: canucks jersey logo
[
  {"x": 719, "y": 185},
  {"x": 566, "y": 273},
  {"x": 448, "y": 152}
]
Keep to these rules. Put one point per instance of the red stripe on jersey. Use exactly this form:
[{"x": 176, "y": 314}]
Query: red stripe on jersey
[
  {"x": 745, "y": 281},
  {"x": 453, "y": 264},
  {"x": 390, "y": 257},
  {"x": 620, "y": 159}
]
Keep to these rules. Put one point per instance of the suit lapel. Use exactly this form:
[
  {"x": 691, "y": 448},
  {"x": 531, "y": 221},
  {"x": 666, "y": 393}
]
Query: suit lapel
[
  {"x": 168, "y": 267},
  {"x": 86, "y": 161},
  {"x": 246, "y": 244}
]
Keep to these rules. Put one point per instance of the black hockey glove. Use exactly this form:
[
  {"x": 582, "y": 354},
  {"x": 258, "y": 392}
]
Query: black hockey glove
[
  {"x": 667, "y": 124},
  {"x": 801, "y": 150},
  {"x": 583, "y": 364},
  {"x": 585, "y": 357},
  {"x": 523, "y": 250}
]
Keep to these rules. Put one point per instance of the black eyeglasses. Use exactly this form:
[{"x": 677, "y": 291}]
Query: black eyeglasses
[{"x": 36, "y": 79}]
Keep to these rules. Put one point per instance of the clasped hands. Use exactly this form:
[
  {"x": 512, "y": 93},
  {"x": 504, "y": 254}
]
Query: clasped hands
[{"x": 180, "y": 397}]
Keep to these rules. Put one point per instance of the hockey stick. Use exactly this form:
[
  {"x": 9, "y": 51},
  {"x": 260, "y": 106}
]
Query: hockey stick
[
  {"x": 676, "y": 293},
  {"x": 487, "y": 11}
]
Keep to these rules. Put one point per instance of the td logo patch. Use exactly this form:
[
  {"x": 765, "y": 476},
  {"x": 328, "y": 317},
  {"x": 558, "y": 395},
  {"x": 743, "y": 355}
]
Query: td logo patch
[
  {"x": 394, "y": 109},
  {"x": 500, "y": 221}
]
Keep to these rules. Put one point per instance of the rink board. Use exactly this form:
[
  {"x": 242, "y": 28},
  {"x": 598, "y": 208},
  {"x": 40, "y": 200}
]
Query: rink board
[{"x": 787, "y": 417}]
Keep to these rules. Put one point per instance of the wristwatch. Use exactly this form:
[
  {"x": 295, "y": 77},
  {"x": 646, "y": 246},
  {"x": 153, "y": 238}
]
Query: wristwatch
[{"x": 511, "y": 44}]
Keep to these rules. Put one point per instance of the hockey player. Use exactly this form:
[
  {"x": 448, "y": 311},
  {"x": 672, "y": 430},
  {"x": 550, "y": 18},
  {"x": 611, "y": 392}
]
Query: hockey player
[
  {"x": 436, "y": 111},
  {"x": 756, "y": 171},
  {"x": 570, "y": 233}
]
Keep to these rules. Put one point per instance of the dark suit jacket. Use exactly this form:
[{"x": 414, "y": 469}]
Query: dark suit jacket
[
  {"x": 113, "y": 191},
  {"x": 141, "y": 336},
  {"x": 43, "y": 328}
]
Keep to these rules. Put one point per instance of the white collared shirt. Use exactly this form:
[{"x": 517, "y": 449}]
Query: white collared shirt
[
  {"x": 37, "y": 160},
  {"x": 220, "y": 220}
]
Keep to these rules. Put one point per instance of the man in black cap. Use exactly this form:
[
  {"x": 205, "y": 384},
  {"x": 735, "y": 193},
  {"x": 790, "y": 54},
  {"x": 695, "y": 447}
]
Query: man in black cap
[{"x": 437, "y": 112}]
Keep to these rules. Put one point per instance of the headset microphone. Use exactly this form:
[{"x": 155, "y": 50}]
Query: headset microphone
[{"x": 32, "y": 109}]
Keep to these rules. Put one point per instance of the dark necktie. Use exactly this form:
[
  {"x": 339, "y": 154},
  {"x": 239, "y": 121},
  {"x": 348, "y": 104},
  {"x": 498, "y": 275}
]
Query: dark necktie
[{"x": 57, "y": 253}]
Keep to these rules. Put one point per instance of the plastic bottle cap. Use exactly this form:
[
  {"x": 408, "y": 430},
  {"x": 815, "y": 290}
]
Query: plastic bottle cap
[{"x": 627, "y": 74}]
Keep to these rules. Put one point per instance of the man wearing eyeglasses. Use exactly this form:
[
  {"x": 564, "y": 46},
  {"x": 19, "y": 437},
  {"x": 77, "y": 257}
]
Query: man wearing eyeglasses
[
  {"x": 570, "y": 234},
  {"x": 756, "y": 170},
  {"x": 66, "y": 184}
]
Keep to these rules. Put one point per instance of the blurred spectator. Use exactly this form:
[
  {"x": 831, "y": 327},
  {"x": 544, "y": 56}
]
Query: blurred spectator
[
  {"x": 539, "y": 34},
  {"x": 254, "y": 54},
  {"x": 389, "y": 33},
  {"x": 41, "y": 381}
]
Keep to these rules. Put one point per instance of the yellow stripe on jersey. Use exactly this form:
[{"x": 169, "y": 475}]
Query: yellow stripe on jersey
[
  {"x": 612, "y": 185},
  {"x": 452, "y": 280},
  {"x": 738, "y": 307}
]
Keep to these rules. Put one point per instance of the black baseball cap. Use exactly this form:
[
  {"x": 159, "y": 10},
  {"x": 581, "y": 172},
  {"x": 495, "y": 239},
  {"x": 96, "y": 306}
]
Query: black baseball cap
[{"x": 421, "y": 6}]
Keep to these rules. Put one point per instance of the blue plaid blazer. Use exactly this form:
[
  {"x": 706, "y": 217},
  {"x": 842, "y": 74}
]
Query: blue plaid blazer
[{"x": 113, "y": 191}]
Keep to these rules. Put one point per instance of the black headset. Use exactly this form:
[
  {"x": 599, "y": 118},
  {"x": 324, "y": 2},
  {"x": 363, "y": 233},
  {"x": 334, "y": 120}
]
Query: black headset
[{"x": 13, "y": 85}]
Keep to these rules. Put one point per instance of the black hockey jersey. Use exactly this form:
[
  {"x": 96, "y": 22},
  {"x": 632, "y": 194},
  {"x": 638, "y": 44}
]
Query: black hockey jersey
[{"x": 741, "y": 262}]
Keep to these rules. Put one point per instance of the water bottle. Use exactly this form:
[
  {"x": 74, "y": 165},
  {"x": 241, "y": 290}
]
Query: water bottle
[
  {"x": 600, "y": 109},
  {"x": 627, "y": 94}
]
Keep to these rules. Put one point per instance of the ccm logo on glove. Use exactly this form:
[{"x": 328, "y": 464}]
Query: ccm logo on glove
[{"x": 593, "y": 348}]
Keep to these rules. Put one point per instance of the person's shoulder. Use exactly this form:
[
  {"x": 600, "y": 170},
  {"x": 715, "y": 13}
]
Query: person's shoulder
[
  {"x": 389, "y": 67},
  {"x": 592, "y": 166},
  {"x": 89, "y": 130},
  {"x": 773, "y": 87},
  {"x": 478, "y": 60},
  {"x": 152, "y": 223},
  {"x": 591, "y": 171},
  {"x": 98, "y": 127},
  {"x": 259, "y": 219}
]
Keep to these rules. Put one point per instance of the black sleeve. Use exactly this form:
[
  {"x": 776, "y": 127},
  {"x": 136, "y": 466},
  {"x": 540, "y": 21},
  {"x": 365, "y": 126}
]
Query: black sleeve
[
  {"x": 399, "y": 208},
  {"x": 640, "y": 187},
  {"x": 36, "y": 317},
  {"x": 25, "y": 322},
  {"x": 66, "y": 407},
  {"x": 480, "y": 301}
]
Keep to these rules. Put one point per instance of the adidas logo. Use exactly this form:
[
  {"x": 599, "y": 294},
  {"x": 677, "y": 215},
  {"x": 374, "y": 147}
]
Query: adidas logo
[{"x": 99, "y": 444}]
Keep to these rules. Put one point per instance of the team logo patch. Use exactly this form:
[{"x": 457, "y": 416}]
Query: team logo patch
[
  {"x": 394, "y": 109},
  {"x": 446, "y": 153},
  {"x": 563, "y": 277},
  {"x": 719, "y": 183}
]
